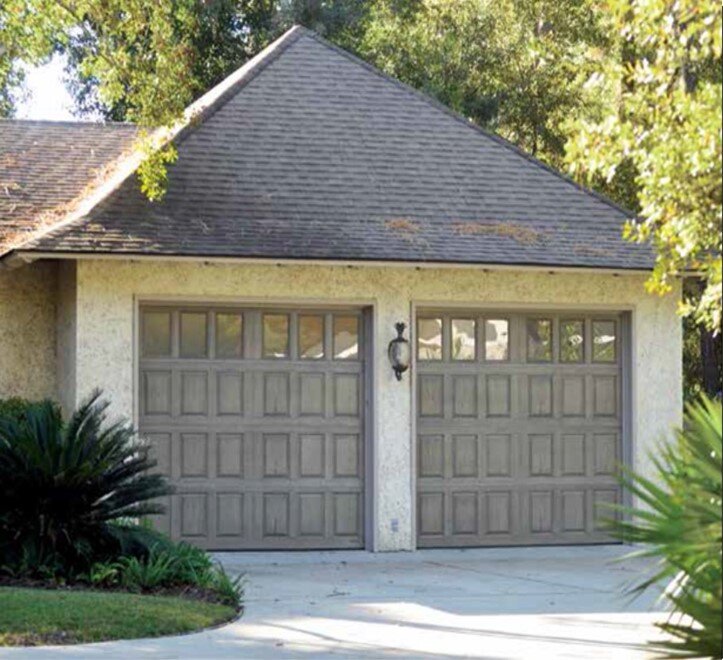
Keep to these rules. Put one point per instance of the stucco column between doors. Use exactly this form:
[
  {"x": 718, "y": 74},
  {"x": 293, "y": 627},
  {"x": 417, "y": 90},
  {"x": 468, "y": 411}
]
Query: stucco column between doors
[{"x": 391, "y": 440}]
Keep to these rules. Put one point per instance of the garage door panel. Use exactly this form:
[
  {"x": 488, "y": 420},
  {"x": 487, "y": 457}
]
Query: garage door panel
[
  {"x": 464, "y": 392},
  {"x": 230, "y": 515},
  {"x": 499, "y": 397},
  {"x": 573, "y": 396},
  {"x": 312, "y": 394},
  {"x": 572, "y": 454},
  {"x": 346, "y": 395},
  {"x": 194, "y": 448},
  {"x": 156, "y": 393},
  {"x": 519, "y": 450},
  {"x": 540, "y": 396},
  {"x": 465, "y": 456},
  {"x": 229, "y": 393},
  {"x": 431, "y": 459},
  {"x": 499, "y": 512},
  {"x": 230, "y": 455},
  {"x": 264, "y": 452}
]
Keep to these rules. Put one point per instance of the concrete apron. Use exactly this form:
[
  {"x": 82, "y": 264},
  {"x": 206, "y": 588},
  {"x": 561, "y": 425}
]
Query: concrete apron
[{"x": 478, "y": 603}]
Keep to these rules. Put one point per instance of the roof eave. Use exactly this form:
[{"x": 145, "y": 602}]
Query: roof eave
[{"x": 19, "y": 257}]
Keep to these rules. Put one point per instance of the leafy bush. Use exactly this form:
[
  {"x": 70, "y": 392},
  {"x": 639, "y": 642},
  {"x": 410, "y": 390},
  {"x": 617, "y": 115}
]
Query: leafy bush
[
  {"x": 63, "y": 486},
  {"x": 681, "y": 527},
  {"x": 156, "y": 570},
  {"x": 170, "y": 565},
  {"x": 15, "y": 408}
]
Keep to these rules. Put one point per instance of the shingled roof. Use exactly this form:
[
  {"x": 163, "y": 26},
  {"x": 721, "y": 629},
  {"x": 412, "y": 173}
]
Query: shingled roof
[
  {"x": 313, "y": 154},
  {"x": 46, "y": 166}
]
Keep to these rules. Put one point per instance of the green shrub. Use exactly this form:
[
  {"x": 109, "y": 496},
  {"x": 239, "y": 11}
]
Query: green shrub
[
  {"x": 681, "y": 527},
  {"x": 15, "y": 408},
  {"x": 64, "y": 485},
  {"x": 229, "y": 589},
  {"x": 169, "y": 565},
  {"x": 156, "y": 570}
]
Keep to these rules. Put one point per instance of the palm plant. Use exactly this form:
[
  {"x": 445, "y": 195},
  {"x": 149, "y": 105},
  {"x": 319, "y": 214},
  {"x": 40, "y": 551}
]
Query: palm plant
[
  {"x": 63, "y": 486},
  {"x": 679, "y": 523}
]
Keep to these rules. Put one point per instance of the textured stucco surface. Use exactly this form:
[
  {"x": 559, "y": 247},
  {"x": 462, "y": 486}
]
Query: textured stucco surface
[
  {"x": 27, "y": 331},
  {"x": 108, "y": 293},
  {"x": 66, "y": 334}
]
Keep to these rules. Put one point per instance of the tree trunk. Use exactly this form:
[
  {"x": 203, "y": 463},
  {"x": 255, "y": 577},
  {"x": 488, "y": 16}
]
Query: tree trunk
[{"x": 710, "y": 357}]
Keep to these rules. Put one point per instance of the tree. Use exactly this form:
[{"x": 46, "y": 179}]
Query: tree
[
  {"x": 144, "y": 62},
  {"x": 227, "y": 34},
  {"x": 141, "y": 51},
  {"x": 665, "y": 119},
  {"x": 518, "y": 67},
  {"x": 11, "y": 79}
]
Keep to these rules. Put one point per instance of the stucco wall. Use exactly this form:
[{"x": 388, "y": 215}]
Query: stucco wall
[
  {"x": 66, "y": 334},
  {"x": 108, "y": 291},
  {"x": 27, "y": 331}
]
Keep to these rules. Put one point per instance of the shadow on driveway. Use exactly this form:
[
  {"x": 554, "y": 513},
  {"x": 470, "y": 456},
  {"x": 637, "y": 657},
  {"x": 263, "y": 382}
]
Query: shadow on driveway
[{"x": 476, "y": 603}]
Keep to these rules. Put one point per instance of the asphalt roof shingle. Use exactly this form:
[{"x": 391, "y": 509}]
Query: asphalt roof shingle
[
  {"x": 320, "y": 156},
  {"x": 45, "y": 166}
]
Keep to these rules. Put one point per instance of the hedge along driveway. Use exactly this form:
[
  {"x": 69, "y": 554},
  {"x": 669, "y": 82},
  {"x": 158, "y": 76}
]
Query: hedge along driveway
[{"x": 39, "y": 616}]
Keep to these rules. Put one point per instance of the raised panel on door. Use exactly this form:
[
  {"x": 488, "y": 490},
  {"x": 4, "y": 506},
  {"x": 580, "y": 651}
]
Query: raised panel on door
[
  {"x": 256, "y": 417},
  {"x": 519, "y": 426}
]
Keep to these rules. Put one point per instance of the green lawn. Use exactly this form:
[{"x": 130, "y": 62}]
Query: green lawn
[{"x": 38, "y": 616}]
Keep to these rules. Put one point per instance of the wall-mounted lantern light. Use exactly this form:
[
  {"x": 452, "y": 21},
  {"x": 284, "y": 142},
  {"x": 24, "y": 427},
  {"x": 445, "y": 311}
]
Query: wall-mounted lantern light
[{"x": 399, "y": 352}]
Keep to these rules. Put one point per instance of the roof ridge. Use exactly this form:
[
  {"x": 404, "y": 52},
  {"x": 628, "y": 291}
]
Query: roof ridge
[{"x": 465, "y": 121}]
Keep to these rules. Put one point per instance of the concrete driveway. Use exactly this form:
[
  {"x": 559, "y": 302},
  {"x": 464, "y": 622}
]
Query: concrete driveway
[{"x": 481, "y": 603}]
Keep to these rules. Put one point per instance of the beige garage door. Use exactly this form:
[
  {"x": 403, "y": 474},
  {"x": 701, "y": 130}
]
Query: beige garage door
[
  {"x": 256, "y": 416},
  {"x": 519, "y": 426}
]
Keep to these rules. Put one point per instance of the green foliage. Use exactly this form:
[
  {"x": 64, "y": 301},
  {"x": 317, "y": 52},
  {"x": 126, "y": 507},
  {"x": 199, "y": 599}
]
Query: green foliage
[
  {"x": 169, "y": 565},
  {"x": 702, "y": 365},
  {"x": 518, "y": 67},
  {"x": 679, "y": 523},
  {"x": 139, "y": 53},
  {"x": 665, "y": 120},
  {"x": 158, "y": 569},
  {"x": 144, "y": 62},
  {"x": 15, "y": 408},
  {"x": 230, "y": 590},
  {"x": 64, "y": 486}
]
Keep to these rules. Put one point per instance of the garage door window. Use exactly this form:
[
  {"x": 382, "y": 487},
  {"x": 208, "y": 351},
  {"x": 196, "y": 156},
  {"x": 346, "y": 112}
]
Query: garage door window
[
  {"x": 156, "y": 334},
  {"x": 346, "y": 337},
  {"x": 463, "y": 339},
  {"x": 539, "y": 340},
  {"x": 229, "y": 336},
  {"x": 604, "y": 339},
  {"x": 497, "y": 340},
  {"x": 572, "y": 341},
  {"x": 276, "y": 336},
  {"x": 429, "y": 339},
  {"x": 194, "y": 340},
  {"x": 311, "y": 337}
]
